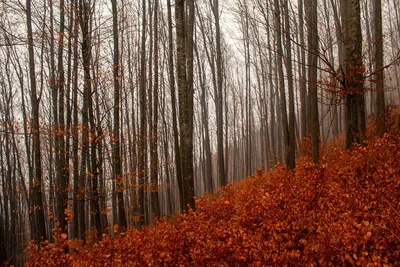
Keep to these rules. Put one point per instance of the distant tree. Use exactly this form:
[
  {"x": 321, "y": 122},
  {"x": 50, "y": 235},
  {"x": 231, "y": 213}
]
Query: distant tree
[
  {"x": 289, "y": 157},
  {"x": 380, "y": 86},
  {"x": 154, "y": 127},
  {"x": 142, "y": 171},
  {"x": 171, "y": 71},
  {"x": 291, "y": 138}
]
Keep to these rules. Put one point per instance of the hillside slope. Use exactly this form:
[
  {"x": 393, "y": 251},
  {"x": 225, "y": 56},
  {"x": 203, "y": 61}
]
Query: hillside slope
[{"x": 347, "y": 212}]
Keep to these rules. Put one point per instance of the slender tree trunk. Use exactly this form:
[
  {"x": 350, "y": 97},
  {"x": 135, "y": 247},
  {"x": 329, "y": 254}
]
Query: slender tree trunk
[
  {"x": 35, "y": 101},
  {"x": 178, "y": 163},
  {"x": 63, "y": 173},
  {"x": 154, "y": 136},
  {"x": 312, "y": 29},
  {"x": 282, "y": 96},
  {"x": 143, "y": 121},
  {"x": 209, "y": 185},
  {"x": 291, "y": 156},
  {"x": 219, "y": 96},
  {"x": 116, "y": 146},
  {"x": 84, "y": 15},
  {"x": 303, "y": 73},
  {"x": 380, "y": 86}
]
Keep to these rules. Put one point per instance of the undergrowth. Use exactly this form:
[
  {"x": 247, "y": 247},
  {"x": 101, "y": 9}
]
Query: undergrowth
[{"x": 345, "y": 212}]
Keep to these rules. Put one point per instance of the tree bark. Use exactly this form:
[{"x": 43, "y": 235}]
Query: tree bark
[
  {"x": 380, "y": 86},
  {"x": 171, "y": 67},
  {"x": 184, "y": 47},
  {"x": 35, "y": 101},
  {"x": 279, "y": 56},
  {"x": 353, "y": 70},
  {"x": 219, "y": 95},
  {"x": 312, "y": 30},
  {"x": 154, "y": 136},
  {"x": 291, "y": 141},
  {"x": 142, "y": 171},
  {"x": 116, "y": 146}
]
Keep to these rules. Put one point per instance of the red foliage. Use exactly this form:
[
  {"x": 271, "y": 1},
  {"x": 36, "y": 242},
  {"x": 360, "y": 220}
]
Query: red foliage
[{"x": 346, "y": 212}]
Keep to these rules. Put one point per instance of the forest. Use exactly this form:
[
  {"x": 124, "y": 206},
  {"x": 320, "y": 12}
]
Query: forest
[{"x": 184, "y": 132}]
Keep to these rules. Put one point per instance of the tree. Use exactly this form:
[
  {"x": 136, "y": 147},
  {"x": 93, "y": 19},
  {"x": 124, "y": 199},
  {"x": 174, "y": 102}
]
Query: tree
[
  {"x": 219, "y": 95},
  {"x": 154, "y": 127},
  {"x": 143, "y": 121},
  {"x": 289, "y": 157},
  {"x": 62, "y": 172},
  {"x": 312, "y": 32},
  {"x": 380, "y": 86},
  {"x": 86, "y": 49},
  {"x": 116, "y": 146},
  {"x": 171, "y": 70},
  {"x": 291, "y": 141},
  {"x": 352, "y": 72},
  {"x": 184, "y": 48},
  {"x": 35, "y": 102}
]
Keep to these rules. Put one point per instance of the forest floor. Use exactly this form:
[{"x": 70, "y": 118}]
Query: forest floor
[{"x": 345, "y": 212}]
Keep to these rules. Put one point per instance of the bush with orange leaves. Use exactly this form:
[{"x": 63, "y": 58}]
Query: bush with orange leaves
[{"x": 345, "y": 212}]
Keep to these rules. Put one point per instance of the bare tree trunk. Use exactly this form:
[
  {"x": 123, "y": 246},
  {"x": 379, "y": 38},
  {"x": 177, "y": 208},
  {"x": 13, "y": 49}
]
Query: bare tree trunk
[
  {"x": 353, "y": 72},
  {"x": 303, "y": 73},
  {"x": 178, "y": 163},
  {"x": 209, "y": 185},
  {"x": 282, "y": 96},
  {"x": 184, "y": 47},
  {"x": 35, "y": 101},
  {"x": 75, "y": 131},
  {"x": 291, "y": 141},
  {"x": 380, "y": 86},
  {"x": 154, "y": 136},
  {"x": 143, "y": 121},
  {"x": 116, "y": 146},
  {"x": 312, "y": 30},
  {"x": 219, "y": 96},
  {"x": 63, "y": 173},
  {"x": 84, "y": 15}
]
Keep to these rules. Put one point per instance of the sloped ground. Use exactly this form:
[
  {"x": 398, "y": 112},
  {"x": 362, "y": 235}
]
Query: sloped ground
[{"x": 345, "y": 213}]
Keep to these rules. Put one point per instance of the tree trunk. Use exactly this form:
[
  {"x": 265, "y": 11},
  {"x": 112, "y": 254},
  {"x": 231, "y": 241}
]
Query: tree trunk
[
  {"x": 312, "y": 30},
  {"x": 116, "y": 146},
  {"x": 219, "y": 96},
  {"x": 184, "y": 47},
  {"x": 178, "y": 163},
  {"x": 209, "y": 185},
  {"x": 279, "y": 56},
  {"x": 63, "y": 173},
  {"x": 35, "y": 101},
  {"x": 353, "y": 73},
  {"x": 143, "y": 121},
  {"x": 380, "y": 87},
  {"x": 154, "y": 136},
  {"x": 84, "y": 15},
  {"x": 291, "y": 141}
]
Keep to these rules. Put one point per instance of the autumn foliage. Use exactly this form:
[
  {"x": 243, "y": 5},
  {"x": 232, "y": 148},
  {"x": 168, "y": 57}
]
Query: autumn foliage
[{"x": 344, "y": 213}]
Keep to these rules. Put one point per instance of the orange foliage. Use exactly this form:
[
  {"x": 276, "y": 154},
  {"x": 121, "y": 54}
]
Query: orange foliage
[{"x": 346, "y": 212}]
